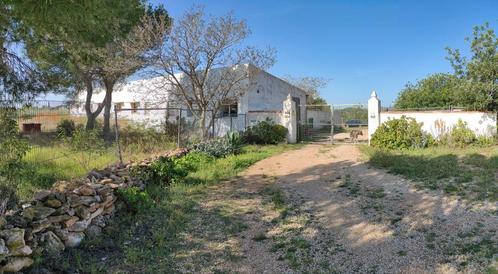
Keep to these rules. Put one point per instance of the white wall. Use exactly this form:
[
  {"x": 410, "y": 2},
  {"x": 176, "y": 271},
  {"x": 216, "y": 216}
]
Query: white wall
[
  {"x": 441, "y": 121},
  {"x": 320, "y": 118}
]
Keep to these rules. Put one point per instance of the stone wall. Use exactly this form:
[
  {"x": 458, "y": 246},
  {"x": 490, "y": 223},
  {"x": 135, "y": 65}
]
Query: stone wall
[{"x": 63, "y": 216}]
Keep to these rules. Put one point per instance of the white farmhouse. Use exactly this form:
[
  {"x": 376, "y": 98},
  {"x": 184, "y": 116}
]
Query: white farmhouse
[{"x": 146, "y": 100}]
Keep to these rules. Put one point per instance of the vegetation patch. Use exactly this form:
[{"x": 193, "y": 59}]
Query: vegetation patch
[{"x": 468, "y": 172}]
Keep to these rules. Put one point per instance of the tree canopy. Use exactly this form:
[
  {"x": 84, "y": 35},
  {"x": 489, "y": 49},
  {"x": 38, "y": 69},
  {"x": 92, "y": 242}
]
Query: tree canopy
[{"x": 473, "y": 85}]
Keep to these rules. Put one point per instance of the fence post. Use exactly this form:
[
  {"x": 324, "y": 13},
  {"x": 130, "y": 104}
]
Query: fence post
[
  {"x": 331, "y": 124},
  {"x": 231, "y": 122},
  {"x": 116, "y": 129},
  {"x": 179, "y": 117},
  {"x": 373, "y": 114}
]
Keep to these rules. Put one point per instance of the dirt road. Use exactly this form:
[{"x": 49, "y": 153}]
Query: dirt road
[{"x": 320, "y": 209}]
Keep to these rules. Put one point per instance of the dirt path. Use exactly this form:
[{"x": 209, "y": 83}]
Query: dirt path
[{"x": 319, "y": 209}]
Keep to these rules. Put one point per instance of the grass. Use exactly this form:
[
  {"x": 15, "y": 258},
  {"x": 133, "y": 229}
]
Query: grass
[
  {"x": 50, "y": 162},
  {"x": 155, "y": 240},
  {"x": 467, "y": 172}
]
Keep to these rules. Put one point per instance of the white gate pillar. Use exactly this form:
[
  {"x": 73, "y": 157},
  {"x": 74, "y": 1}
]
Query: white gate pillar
[
  {"x": 289, "y": 119},
  {"x": 373, "y": 114}
]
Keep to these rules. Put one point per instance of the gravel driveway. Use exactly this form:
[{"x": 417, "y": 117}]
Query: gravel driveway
[{"x": 319, "y": 209}]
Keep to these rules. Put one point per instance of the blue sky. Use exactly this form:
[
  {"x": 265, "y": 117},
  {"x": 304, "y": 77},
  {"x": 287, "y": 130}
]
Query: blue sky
[{"x": 360, "y": 45}]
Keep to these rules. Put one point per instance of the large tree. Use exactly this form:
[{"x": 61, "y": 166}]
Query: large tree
[
  {"x": 19, "y": 80},
  {"x": 479, "y": 71},
  {"x": 66, "y": 40},
  {"x": 438, "y": 90},
  {"x": 205, "y": 64},
  {"x": 126, "y": 55}
]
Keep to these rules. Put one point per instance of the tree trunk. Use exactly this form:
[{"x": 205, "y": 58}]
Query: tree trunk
[
  {"x": 91, "y": 116},
  {"x": 202, "y": 125},
  {"x": 109, "y": 86}
]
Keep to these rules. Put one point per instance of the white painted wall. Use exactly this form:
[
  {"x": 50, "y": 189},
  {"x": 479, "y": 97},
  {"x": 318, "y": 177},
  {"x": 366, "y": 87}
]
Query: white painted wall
[
  {"x": 438, "y": 122},
  {"x": 263, "y": 98},
  {"x": 320, "y": 118}
]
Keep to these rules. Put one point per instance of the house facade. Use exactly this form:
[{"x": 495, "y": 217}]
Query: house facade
[{"x": 146, "y": 100}]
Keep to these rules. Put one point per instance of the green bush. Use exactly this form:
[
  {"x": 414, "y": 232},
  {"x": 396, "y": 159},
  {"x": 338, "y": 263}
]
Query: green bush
[
  {"x": 166, "y": 170},
  {"x": 403, "y": 133},
  {"x": 461, "y": 135},
  {"x": 220, "y": 147},
  {"x": 136, "y": 200},
  {"x": 265, "y": 132},
  {"x": 65, "y": 128},
  {"x": 12, "y": 149},
  {"x": 484, "y": 141}
]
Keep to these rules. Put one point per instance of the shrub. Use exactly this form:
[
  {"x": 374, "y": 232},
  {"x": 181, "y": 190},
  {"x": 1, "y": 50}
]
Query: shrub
[
  {"x": 65, "y": 128},
  {"x": 166, "y": 170},
  {"x": 461, "y": 135},
  {"x": 12, "y": 149},
  {"x": 403, "y": 133},
  {"x": 265, "y": 132},
  {"x": 136, "y": 200},
  {"x": 484, "y": 141},
  {"x": 220, "y": 147}
]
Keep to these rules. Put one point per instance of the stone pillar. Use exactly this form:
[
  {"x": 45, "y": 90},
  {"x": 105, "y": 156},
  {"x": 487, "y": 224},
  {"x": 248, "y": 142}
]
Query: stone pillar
[
  {"x": 289, "y": 119},
  {"x": 373, "y": 114}
]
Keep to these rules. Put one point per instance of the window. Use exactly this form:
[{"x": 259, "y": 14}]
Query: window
[
  {"x": 134, "y": 106},
  {"x": 118, "y": 106},
  {"x": 229, "y": 110}
]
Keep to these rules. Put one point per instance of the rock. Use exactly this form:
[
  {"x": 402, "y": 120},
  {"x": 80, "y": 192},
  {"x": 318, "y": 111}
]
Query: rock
[
  {"x": 93, "y": 231},
  {"x": 40, "y": 225},
  {"x": 75, "y": 200},
  {"x": 74, "y": 239},
  {"x": 104, "y": 191},
  {"x": 106, "y": 181},
  {"x": 59, "y": 218},
  {"x": 15, "y": 264},
  {"x": 53, "y": 203},
  {"x": 83, "y": 212},
  {"x": 42, "y": 195},
  {"x": 85, "y": 190},
  {"x": 14, "y": 238},
  {"x": 62, "y": 234},
  {"x": 93, "y": 207},
  {"x": 3, "y": 222},
  {"x": 94, "y": 174},
  {"x": 37, "y": 212},
  {"x": 71, "y": 221},
  {"x": 16, "y": 220},
  {"x": 23, "y": 251},
  {"x": 79, "y": 226},
  {"x": 4, "y": 250},
  {"x": 51, "y": 243}
]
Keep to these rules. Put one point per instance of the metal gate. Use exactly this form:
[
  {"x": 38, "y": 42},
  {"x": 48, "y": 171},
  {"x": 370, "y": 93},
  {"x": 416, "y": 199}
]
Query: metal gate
[{"x": 347, "y": 123}]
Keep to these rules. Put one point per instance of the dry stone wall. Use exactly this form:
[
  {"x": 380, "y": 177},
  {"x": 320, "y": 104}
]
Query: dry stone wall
[{"x": 63, "y": 216}]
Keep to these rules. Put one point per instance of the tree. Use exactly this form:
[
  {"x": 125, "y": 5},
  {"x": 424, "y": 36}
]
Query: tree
[
  {"x": 126, "y": 55},
  {"x": 311, "y": 85},
  {"x": 67, "y": 44},
  {"x": 478, "y": 72},
  {"x": 204, "y": 64},
  {"x": 438, "y": 90},
  {"x": 19, "y": 80}
]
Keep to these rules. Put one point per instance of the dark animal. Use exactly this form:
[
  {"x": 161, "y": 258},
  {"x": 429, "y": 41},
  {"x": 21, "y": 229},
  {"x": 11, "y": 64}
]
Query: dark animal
[{"x": 353, "y": 135}]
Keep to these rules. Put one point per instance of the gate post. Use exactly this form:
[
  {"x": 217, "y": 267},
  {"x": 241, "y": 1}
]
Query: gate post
[
  {"x": 373, "y": 114},
  {"x": 289, "y": 119}
]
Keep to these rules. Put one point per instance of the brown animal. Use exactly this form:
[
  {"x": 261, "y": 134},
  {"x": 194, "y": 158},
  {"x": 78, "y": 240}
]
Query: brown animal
[{"x": 353, "y": 135}]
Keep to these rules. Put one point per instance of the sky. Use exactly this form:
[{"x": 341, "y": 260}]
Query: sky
[{"x": 361, "y": 46}]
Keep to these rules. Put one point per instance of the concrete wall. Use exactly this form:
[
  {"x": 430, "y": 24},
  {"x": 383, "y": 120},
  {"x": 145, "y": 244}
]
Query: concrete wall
[{"x": 442, "y": 121}]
